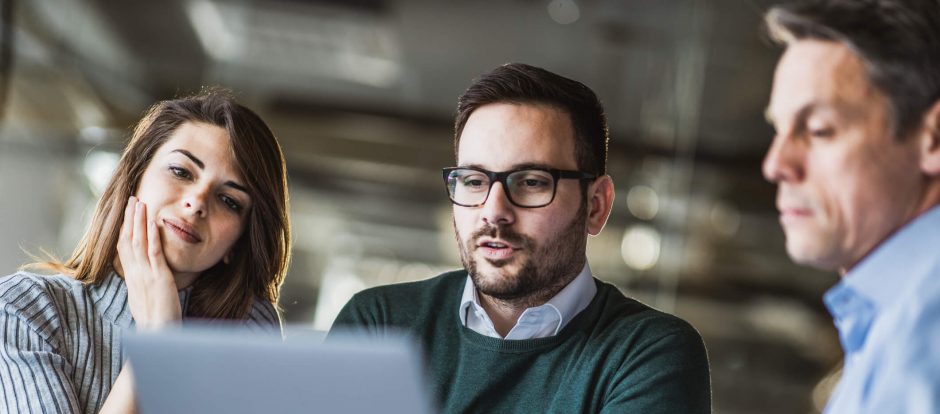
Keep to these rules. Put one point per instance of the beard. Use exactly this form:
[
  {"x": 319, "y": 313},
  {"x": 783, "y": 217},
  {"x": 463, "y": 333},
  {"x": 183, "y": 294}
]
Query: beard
[{"x": 546, "y": 268}]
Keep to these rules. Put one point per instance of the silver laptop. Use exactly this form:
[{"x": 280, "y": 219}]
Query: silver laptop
[{"x": 213, "y": 370}]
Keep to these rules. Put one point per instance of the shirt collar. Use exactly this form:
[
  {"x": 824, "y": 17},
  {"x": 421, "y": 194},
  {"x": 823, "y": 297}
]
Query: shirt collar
[
  {"x": 852, "y": 313},
  {"x": 877, "y": 276},
  {"x": 574, "y": 298},
  {"x": 876, "y": 283},
  {"x": 468, "y": 298},
  {"x": 110, "y": 295},
  {"x": 568, "y": 302}
]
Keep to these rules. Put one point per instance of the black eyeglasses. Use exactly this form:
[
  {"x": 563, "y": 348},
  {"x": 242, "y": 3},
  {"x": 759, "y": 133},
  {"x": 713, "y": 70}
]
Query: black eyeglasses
[{"x": 524, "y": 187}]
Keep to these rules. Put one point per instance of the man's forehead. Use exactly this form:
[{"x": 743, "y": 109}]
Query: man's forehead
[
  {"x": 504, "y": 135},
  {"x": 819, "y": 76}
]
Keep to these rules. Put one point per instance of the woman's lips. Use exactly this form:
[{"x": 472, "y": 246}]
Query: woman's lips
[{"x": 182, "y": 230}]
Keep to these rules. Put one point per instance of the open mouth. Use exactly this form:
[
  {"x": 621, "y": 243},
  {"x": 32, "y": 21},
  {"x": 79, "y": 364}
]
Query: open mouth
[{"x": 496, "y": 249}]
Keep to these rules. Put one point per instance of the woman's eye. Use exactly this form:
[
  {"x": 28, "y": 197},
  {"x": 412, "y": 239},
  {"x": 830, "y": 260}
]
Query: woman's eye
[
  {"x": 231, "y": 203},
  {"x": 180, "y": 172}
]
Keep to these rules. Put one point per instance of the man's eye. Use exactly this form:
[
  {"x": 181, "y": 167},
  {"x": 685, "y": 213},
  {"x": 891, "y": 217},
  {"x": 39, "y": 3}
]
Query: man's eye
[
  {"x": 532, "y": 185},
  {"x": 470, "y": 182},
  {"x": 822, "y": 132}
]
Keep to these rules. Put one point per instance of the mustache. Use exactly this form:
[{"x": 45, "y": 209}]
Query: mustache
[{"x": 499, "y": 232}]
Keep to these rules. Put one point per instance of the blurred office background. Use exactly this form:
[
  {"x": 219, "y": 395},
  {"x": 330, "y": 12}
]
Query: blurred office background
[{"x": 361, "y": 94}]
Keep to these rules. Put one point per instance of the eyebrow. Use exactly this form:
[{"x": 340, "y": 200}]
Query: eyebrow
[
  {"x": 202, "y": 166},
  {"x": 800, "y": 116},
  {"x": 237, "y": 187},
  {"x": 843, "y": 110},
  {"x": 521, "y": 166},
  {"x": 190, "y": 155}
]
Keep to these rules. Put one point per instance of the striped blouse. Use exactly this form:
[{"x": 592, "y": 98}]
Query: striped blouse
[{"x": 60, "y": 340}]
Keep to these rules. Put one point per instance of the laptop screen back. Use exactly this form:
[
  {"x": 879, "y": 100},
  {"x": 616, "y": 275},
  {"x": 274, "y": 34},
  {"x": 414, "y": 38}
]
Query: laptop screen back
[{"x": 188, "y": 370}]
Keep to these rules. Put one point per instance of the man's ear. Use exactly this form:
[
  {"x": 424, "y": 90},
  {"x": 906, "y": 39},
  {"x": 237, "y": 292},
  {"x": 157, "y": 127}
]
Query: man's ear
[
  {"x": 930, "y": 142},
  {"x": 600, "y": 202}
]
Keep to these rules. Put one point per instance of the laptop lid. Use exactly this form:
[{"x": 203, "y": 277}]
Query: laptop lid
[{"x": 213, "y": 370}]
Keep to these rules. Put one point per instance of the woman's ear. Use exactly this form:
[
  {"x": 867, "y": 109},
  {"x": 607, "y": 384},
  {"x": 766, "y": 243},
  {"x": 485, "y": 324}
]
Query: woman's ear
[
  {"x": 600, "y": 202},
  {"x": 930, "y": 142}
]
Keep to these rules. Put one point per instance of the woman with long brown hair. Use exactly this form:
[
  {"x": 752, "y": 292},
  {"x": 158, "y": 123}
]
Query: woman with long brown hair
[{"x": 194, "y": 224}]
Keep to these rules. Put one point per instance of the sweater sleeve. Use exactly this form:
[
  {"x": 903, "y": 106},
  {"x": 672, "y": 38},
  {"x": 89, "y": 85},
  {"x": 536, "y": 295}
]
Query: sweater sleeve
[
  {"x": 358, "y": 313},
  {"x": 368, "y": 313},
  {"x": 667, "y": 375},
  {"x": 33, "y": 375}
]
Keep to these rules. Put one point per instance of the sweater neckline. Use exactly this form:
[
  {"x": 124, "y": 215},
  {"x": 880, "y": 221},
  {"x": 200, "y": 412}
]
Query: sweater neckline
[{"x": 536, "y": 344}]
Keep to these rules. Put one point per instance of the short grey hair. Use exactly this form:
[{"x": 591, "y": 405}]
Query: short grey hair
[{"x": 898, "y": 42}]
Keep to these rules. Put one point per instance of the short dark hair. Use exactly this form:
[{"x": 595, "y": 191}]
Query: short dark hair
[
  {"x": 897, "y": 40},
  {"x": 519, "y": 83}
]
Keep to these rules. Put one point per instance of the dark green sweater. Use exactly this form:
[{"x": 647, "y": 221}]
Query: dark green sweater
[{"x": 616, "y": 356}]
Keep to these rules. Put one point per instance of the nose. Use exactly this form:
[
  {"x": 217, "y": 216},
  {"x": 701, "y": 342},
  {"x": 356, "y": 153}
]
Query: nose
[
  {"x": 784, "y": 160},
  {"x": 194, "y": 202},
  {"x": 497, "y": 210}
]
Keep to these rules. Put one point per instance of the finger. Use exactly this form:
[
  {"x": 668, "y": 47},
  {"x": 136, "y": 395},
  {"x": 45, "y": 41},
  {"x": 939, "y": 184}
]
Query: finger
[
  {"x": 140, "y": 232},
  {"x": 155, "y": 247},
  {"x": 126, "y": 233},
  {"x": 127, "y": 227}
]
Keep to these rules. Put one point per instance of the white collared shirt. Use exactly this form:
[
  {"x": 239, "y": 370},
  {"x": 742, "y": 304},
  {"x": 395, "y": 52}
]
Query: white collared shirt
[{"x": 538, "y": 322}]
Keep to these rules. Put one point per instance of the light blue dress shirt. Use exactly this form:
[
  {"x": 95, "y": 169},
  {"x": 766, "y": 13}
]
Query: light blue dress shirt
[
  {"x": 887, "y": 310},
  {"x": 536, "y": 322}
]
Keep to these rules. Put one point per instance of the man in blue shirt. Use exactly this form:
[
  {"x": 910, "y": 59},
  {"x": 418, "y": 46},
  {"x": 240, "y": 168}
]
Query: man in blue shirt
[{"x": 856, "y": 158}]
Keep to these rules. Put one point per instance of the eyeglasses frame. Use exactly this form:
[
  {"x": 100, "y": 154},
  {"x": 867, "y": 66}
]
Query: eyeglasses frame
[{"x": 501, "y": 177}]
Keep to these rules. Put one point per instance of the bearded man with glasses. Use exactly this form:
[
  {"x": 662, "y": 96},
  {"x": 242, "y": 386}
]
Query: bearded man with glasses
[{"x": 525, "y": 327}]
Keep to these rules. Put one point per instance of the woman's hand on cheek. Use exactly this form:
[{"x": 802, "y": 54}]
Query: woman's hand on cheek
[{"x": 151, "y": 289}]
